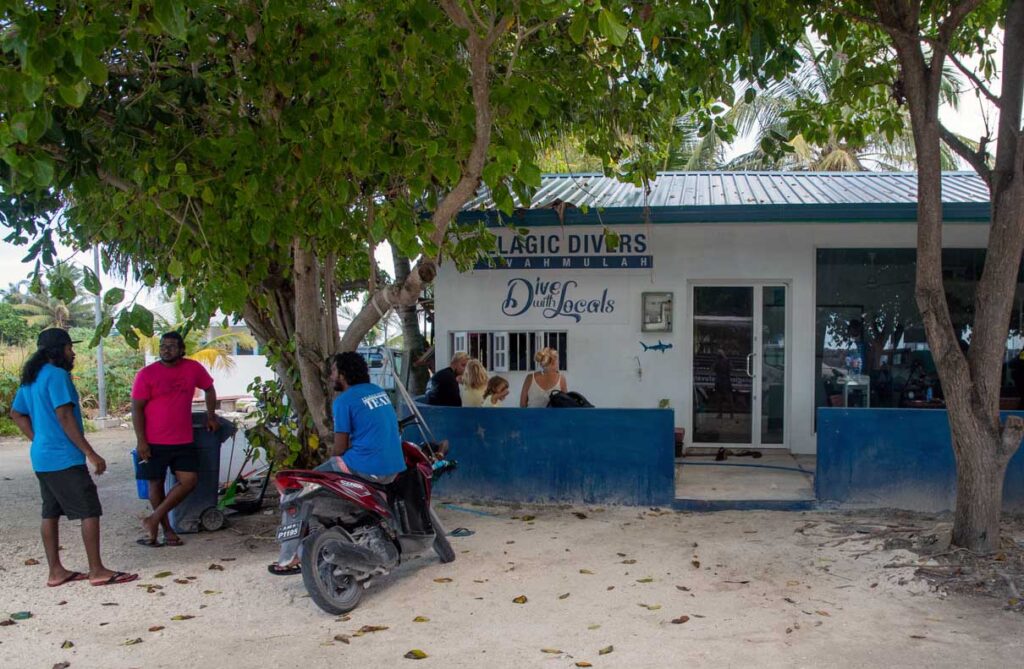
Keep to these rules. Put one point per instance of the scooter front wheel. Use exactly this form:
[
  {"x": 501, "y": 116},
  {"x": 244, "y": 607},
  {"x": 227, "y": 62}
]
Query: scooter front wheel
[{"x": 335, "y": 594}]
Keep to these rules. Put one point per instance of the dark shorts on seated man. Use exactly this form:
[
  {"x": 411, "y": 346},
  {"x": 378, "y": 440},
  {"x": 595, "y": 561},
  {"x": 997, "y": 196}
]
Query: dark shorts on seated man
[
  {"x": 177, "y": 458},
  {"x": 70, "y": 493}
]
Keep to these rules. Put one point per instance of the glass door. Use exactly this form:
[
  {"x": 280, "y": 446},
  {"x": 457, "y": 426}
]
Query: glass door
[{"x": 739, "y": 365}]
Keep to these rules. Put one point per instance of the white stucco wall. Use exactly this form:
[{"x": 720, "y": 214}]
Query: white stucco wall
[{"x": 604, "y": 348}]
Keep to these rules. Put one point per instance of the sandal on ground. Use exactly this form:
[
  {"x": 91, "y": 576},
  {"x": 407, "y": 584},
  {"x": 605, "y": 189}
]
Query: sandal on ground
[
  {"x": 286, "y": 570},
  {"x": 71, "y": 577},
  {"x": 149, "y": 543},
  {"x": 173, "y": 541},
  {"x": 116, "y": 579},
  {"x": 461, "y": 532}
]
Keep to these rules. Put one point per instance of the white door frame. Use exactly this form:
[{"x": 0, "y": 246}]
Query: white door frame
[{"x": 757, "y": 398}]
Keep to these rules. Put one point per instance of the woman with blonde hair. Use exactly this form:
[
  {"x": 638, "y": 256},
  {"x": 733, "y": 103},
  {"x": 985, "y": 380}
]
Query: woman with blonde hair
[
  {"x": 538, "y": 385},
  {"x": 497, "y": 391},
  {"x": 474, "y": 383}
]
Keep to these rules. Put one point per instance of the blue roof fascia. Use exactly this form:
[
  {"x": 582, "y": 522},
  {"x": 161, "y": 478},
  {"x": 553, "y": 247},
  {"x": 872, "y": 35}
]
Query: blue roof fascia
[{"x": 868, "y": 212}]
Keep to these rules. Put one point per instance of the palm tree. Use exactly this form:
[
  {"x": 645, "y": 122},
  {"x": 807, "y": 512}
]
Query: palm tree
[
  {"x": 215, "y": 351},
  {"x": 45, "y": 311},
  {"x": 768, "y": 115}
]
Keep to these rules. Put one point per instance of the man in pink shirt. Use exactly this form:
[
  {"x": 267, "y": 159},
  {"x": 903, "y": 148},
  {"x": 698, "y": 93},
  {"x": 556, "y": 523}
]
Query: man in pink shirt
[{"x": 162, "y": 416}]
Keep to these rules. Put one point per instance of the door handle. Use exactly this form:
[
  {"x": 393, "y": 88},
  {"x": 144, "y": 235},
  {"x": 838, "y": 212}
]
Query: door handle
[{"x": 750, "y": 371}]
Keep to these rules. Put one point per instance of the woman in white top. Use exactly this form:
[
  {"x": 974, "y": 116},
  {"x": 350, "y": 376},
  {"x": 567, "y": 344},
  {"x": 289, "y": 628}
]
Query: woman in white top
[
  {"x": 474, "y": 383},
  {"x": 538, "y": 385}
]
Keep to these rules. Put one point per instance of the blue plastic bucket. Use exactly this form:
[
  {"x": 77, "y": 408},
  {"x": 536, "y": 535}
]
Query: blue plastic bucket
[{"x": 141, "y": 485}]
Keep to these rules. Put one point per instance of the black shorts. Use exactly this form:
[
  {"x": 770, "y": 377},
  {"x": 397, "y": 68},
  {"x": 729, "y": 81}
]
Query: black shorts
[
  {"x": 69, "y": 492},
  {"x": 177, "y": 458}
]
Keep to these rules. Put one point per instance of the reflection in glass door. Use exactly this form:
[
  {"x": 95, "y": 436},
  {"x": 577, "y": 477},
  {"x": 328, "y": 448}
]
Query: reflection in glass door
[
  {"x": 739, "y": 365},
  {"x": 723, "y": 347}
]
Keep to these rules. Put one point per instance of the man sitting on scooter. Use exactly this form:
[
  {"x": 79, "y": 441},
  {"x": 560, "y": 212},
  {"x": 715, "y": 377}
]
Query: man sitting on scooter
[{"x": 366, "y": 439}]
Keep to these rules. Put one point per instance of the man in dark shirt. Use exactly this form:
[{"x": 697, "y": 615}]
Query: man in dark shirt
[{"x": 443, "y": 388}]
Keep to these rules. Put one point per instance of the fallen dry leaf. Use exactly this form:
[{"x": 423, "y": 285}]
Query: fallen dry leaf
[
  {"x": 228, "y": 559},
  {"x": 67, "y": 644},
  {"x": 109, "y": 604},
  {"x": 415, "y": 654},
  {"x": 342, "y": 638},
  {"x": 343, "y": 619},
  {"x": 583, "y": 664},
  {"x": 581, "y": 516},
  {"x": 182, "y": 617},
  {"x": 61, "y": 665},
  {"x": 211, "y": 592},
  {"x": 629, "y": 562},
  {"x": 527, "y": 518},
  {"x": 163, "y": 574},
  {"x": 216, "y": 567},
  {"x": 565, "y": 596},
  {"x": 918, "y": 636},
  {"x": 182, "y": 581},
  {"x": 606, "y": 650},
  {"x": 823, "y": 613},
  {"x": 5, "y": 623},
  {"x": 792, "y": 583},
  {"x": 551, "y": 651},
  {"x": 156, "y": 628},
  {"x": 645, "y": 580},
  {"x": 368, "y": 629},
  {"x": 191, "y": 578},
  {"x": 132, "y": 642},
  {"x": 31, "y": 562},
  {"x": 421, "y": 619},
  {"x": 442, "y": 580},
  {"x": 651, "y": 607},
  {"x": 683, "y": 588},
  {"x": 521, "y": 599},
  {"x": 586, "y": 571},
  {"x": 680, "y": 620},
  {"x": 62, "y": 602},
  {"x": 695, "y": 563}
]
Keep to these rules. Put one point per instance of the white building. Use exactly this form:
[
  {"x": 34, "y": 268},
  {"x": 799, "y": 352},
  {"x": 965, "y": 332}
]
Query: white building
[{"x": 770, "y": 268}]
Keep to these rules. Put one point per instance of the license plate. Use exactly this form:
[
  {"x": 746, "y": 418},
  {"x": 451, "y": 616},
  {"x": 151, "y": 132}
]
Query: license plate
[{"x": 289, "y": 531}]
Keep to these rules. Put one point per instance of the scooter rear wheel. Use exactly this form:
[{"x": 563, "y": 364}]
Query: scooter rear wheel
[
  {"x": 335, "y": 594},
  {"x": 442, "y": 546}
]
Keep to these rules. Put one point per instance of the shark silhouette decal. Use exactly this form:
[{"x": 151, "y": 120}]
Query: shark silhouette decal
[{"x": 660, "y": 346}]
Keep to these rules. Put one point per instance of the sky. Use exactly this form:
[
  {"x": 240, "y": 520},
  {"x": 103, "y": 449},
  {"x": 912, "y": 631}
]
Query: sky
[{"x": 968, "y": 120}]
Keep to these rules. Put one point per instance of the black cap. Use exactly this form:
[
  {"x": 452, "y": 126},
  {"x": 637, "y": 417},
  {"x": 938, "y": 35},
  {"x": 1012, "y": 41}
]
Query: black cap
[{"x": 54, "y": 338}]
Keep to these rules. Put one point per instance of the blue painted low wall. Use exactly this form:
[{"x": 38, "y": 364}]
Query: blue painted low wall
[
  {"x": 896, "y": 458},
  {"x": 610, "y": 456}
]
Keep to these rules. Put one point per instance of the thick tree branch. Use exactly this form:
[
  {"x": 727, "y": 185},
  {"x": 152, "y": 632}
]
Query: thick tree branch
[
  {"x": 381, "y": 301},
  {"x": 976, "y": 159}
]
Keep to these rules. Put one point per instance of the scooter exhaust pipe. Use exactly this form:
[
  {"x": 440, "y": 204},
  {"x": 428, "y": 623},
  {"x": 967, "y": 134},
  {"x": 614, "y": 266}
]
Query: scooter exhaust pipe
[{"x": 352, "y": 557}]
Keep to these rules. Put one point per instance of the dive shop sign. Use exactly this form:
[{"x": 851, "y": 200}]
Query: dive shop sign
[
  {"x": 569, "y": 250},
  {"x": 555, "y": 299}
]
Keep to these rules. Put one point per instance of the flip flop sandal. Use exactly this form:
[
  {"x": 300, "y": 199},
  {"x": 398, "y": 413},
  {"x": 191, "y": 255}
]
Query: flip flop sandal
[
  {"x": 176, "y": 541},
  {"x": 148, "y": 543},
  {"x": 117, "y": 578},
  {"x": 461, "y": 532},
  {"x": 73, "y": 576},
  {"x": 278, "y": 570}
]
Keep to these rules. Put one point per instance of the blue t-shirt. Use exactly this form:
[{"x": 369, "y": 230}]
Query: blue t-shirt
[
  {"x": 365, "y": 413},
  {"x": 52, "y": 449}
]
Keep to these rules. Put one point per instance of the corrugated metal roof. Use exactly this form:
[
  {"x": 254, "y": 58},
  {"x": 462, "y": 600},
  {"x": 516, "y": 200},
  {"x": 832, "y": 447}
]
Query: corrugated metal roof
[{"x": 750, "y": 196}]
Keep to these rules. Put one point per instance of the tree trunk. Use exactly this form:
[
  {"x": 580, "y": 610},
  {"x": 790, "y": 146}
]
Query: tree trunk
[
  {"x": 979, "y": 482},
  {"x": 971, "y": 382},
  {"x": 313, "y": 339},
  {"x": 414, "y": 343}
]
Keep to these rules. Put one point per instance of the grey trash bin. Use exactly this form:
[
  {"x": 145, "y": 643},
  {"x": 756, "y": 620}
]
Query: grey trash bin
[{"x": 199, "y": 510}]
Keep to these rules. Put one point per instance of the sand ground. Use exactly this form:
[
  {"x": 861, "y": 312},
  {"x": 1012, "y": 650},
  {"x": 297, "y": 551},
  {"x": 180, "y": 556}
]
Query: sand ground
[{"x": 760, "y": 589}]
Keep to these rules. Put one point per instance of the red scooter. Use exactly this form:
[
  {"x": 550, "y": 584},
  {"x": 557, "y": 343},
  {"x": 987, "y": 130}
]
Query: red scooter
[{"x": 352, "y": 530}]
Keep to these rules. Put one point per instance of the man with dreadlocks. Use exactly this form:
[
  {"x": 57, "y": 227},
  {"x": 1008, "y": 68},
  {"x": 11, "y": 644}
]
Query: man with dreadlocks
[{"x": 46, "y": 409}]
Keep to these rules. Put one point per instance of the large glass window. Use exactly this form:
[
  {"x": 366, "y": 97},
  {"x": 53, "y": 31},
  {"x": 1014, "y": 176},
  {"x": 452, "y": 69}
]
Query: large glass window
[{"x": 870, "y": 344}]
